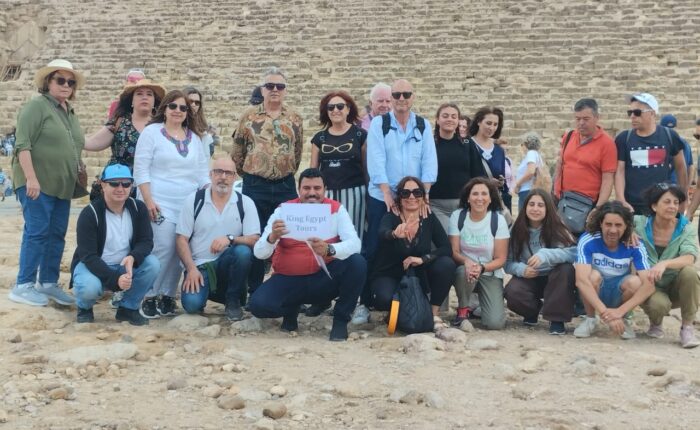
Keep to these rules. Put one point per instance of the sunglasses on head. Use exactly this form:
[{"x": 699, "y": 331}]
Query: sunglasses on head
[
  {"x": 637, "y": 112},
  {"x": 60, "y": 80},
  {"x": 272, "y": 85},
  {"x": 175, "y": 106},
  {"x": 115, "y": 184},
  {"x": 339, "y": 106},
  {"x": 417, "y": 193},
  {"x": 406, "y": 95},
  {"x": 196, "y": 102}
]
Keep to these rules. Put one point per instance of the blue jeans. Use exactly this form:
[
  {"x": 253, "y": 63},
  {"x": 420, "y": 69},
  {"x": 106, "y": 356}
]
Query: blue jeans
[
  {"x": 267, "y": 195},
  {"x": 43, "y": 239},
  {"x": 610, "y": 292},
  {"x": 87, "y": 287},
  {"x": 282, "y": 295},
  {"x": 232, "y": 268}
]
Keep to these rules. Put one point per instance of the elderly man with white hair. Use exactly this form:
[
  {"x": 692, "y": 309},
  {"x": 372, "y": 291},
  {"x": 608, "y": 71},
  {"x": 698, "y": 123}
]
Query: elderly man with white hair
[{"x": 379, "y": 103}]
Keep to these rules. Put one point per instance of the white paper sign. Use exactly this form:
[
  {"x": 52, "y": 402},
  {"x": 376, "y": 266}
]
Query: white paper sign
[{"x": 305, "y": 220}]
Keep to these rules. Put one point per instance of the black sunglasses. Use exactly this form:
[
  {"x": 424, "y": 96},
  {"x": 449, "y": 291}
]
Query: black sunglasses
[
  {"x": 406, "y": 95},
  {"x": 417, "y": 193},
  {"x": 339, "y": 106},
  {"x": 637, "y": 112},
  {"x": 174, "y": 106},
  {"x": 271, "y": 86},
  {"x": 62, "y": 81},
  {"x": 115, "y": 184},
  {"x": 196, "y": 102}
]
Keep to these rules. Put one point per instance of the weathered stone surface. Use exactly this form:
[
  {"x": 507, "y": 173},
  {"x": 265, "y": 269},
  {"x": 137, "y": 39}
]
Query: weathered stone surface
[
  {"x": 188, "y": 322},
  {"x": 483, "y": 344},
  {"x": 82, "y": 355},
  {"x": 452, "y": 335},
  {"x": 274, "y": 410},
  {"x": 228, "y": 401}
]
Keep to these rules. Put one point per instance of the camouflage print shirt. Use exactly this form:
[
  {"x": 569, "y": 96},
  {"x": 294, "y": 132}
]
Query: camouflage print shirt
[{"x": 266, "y": 147}]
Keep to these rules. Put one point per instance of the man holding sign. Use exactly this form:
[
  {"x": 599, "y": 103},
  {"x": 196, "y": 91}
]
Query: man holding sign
[{"x": 315, "y": 257}]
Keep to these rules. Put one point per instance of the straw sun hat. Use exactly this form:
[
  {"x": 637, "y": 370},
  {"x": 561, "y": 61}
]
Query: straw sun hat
[{"x": 58, "y": 65}]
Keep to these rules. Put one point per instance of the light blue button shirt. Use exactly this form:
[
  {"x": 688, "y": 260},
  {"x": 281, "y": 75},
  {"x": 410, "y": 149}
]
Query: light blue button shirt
[{"x": 398, "y": 154}]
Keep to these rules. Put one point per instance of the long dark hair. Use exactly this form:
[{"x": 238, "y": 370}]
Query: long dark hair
[
  {"x": 402, "y": 183},
  {"x": 200, "y": 113},
  {"x": 191, "y": 122},
  {"x": 479, "y": 116},
  {"x": 125, "y": 105},
  {"x": 553, "y": 233},
  {"x": 436, "y": 131},
  {"x": 653, "y": 194},
  {"x": 495, "y": 196},
  {"x": 611, "y": 207}
]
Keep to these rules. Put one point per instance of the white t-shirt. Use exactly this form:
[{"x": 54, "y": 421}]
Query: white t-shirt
[
  {"x": 476, "y": 240},
  {"x": 211, "y": 224},
  {"x": 531, "y": 157},
  {"x": 118, "y": 238}
]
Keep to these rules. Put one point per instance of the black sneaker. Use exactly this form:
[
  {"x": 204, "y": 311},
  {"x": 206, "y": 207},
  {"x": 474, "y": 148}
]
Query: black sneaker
[
  {"x": 166, "y": 305},
  {"x": 131, "y": 316},
  {"x": 316, "y": 309},
  {"x": 234, "y": 312},
  {"x": 290, "y": 322},
  {"x": 530, "y": 322},
  {"x": 339, "y": 332},
  {"x": 149, "y": 309},
  {"x": 557, "y": 328},
  {"x": 85, "y": 316}
]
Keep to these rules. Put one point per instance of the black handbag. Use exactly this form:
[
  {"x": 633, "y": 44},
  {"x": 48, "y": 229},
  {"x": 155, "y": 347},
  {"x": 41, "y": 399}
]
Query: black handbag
[
  {"x": 415, "y": 313},
  {"x": 573, "y": 209}
]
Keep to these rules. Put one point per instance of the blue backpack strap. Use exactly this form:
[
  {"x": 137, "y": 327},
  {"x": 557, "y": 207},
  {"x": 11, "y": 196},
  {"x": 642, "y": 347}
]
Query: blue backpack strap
[
  {"x": 386, "y": 124},
  {"x": 494, "y": 223}
]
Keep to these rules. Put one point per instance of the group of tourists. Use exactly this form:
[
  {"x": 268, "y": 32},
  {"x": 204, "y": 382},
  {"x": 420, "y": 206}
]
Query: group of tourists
[{"x": 403, "y": 194}]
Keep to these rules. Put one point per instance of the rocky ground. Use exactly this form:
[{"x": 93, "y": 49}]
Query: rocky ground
[{"x": 200, "y": 372}]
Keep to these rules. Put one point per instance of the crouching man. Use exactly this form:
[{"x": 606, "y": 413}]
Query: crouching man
[
  {"x": 114, "y": 249},
  {"x": 298, "y": 277},
  {"x": 215, "y": 236},
  {"x": 604, "y": 275}
]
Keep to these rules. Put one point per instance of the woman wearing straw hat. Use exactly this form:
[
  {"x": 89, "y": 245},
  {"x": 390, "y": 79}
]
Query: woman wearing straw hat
[
  {"x": 45, "y": 168},
  {"x": 137, "y": 104}
]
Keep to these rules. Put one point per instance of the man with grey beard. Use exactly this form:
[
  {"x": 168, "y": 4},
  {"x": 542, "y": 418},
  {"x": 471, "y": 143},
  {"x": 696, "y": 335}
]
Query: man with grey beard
[{"x": 215, "y": 236}]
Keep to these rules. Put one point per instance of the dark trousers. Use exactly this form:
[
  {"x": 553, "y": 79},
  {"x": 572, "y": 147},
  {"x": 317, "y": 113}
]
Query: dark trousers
[
  {"x": 436, "y": 278},
  {"x": 524, "y": 296},
  {"x": 376, "y": 209},
  {"x": 507, "y": 200},
  {"x": 281, "y": 295},
  {"x": 267, "y": 195}
]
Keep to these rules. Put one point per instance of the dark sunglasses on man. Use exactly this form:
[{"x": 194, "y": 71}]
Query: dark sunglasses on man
[
  {"x": 115, "y": 184},
  {"x": 638, "y": 112},
  {"x": 406, "y": 95},
  {"x": 272, "y": 85}
]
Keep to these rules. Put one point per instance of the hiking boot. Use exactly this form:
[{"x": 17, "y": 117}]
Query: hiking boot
[
  {"x": 316, "y": 309},
  {"x": 166, "y": 306},
  {"x": 360, "y": 315},
  {"x": 233, "y": 311},
  {"x": 27, "y": 294},
  {"x": 339, "y": 332},
  {"x": 629, "y": 329},
  {"x": 85, "y": 316},
  {"x": 688, "y": 339},
  {"x": 530, "y": 322},
  {"x": 656, "y": 331},
  {"x": 587, "y": 327},
  {"x": 54, "y": 292},
  {"x": 132, "y": 316},
  {"x": 557, "y": 328},
  {"x": 149, "y": 309}
]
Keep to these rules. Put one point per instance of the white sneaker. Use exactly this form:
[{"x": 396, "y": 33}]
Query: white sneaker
[
  {"x": 27, "y": 294},
  {"x": 587, "y": 327},
  {"x": 54, "y": 292},
  {"x": 360, "y": 316},
  {"x": 629, "y": 329}
]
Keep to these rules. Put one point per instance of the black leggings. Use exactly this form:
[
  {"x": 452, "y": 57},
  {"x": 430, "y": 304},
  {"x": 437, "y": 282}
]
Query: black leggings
[{"x": 440, "y": 277}]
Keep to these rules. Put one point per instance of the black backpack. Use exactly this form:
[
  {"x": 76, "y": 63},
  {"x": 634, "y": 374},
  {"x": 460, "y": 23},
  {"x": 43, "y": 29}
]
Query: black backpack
[
  {"x": 386, "y": 124},
  {"x": 199, "y": 203},
  {"x": 494, "y": 221}
]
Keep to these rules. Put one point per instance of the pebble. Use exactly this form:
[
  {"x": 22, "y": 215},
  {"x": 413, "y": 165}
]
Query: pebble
[
  {"x": 82, "y": 355},
  {"x": 250, "y": 325},
  {"x": 3, "y": 416},
  {"x": 642, "y": 402},
  {"x": 533, "y": 363},
  {"x": 354, "y": 336},
  {"x": 230, "y": 402},
  {"x": 210, "y": 331},
  {"x": 254, "y": 395},
  {"x": 483, "y": 344},
  {"x": 33, "y": 359},
  {"x": 520, "y": 394},
  {"x": 274, "y": 410},
  {"x": 614, "y": 372},
  {"x": 452, "y": 335},
  {"x": 265, "y": 424},
  {"x": 176, "y": 383},
  {"x": 213, "y": 391},
  {"x": 657, "y": 371},
  {"x": 102, "y": 335},
  {"x": 434, "y": 400},
  {"x": 192, "y": 349},
  {"x": 382, "y": 414},
  {"x": 169, "y": 355},
  {"x": 151, "y": 338},
  {"x": 188, "y": 322},
  {"x": 59, "y": 393},
  {"x": 422, "y": 343},
  {"x": 508, "y": 372},
  {"x": 412, "y": 397},
  {"x": 466, "y": 326},
  {"x": 278, "y": 391},
  {"x": 17, "y": 338},
  {"x": 58, "y": 331}
]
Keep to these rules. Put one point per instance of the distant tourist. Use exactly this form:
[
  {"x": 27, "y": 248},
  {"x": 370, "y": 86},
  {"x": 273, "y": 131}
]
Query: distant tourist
[
  {"x": 525, "y": 175},
  {"x": 132, "y": 76},
  {"x": 670, "y": 121},
  {"x": 197, "y": 106},
  {"x": 485, "y": 130},
  {"x": 379, "y": 103},
  {"x": 464, "y": 123}
]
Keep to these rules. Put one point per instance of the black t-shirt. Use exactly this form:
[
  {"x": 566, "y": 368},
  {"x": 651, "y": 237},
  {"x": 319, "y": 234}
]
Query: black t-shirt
[
  {"x": 647, "y": 160},
  {"x": 340, "y": 157},
  {"x": 458, "y": 162}
]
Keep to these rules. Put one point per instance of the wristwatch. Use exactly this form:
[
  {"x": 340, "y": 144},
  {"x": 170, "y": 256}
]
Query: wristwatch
[
  {"x": 483, "y": 269},
  {"x": 231, "y": 239},
  {"x": 331, "y": 251}
]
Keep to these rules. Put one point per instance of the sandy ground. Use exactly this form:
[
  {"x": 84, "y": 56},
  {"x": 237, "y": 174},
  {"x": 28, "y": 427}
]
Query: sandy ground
[{"x": 203, "y": 373}]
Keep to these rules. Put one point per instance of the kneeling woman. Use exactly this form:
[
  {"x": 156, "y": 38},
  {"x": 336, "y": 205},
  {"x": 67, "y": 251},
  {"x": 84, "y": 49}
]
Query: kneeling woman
[
  {"x": 670, "y": 242},
  {"x": 540, "y": 258},
  {"x": 405, "y": 240},
  {"x": 479, "y": 238}
]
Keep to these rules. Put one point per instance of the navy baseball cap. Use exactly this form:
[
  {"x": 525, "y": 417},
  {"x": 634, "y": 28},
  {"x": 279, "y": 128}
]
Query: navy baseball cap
[{"x": 669, "y": 121}]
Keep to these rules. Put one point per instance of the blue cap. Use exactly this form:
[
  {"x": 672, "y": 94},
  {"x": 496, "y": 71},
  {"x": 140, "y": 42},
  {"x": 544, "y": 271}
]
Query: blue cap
[
  {"x": 669, "y": 121},
  {"x": 116, "y": 171}
]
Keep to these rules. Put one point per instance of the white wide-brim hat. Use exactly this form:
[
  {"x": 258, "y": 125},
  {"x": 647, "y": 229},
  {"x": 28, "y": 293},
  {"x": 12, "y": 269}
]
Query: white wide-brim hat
[{"x": 58, "y": 65}]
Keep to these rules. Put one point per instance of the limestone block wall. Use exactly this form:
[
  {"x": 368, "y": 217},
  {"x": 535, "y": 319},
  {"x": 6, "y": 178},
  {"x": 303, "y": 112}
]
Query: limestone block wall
[{"x": 533, "y": 58}]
